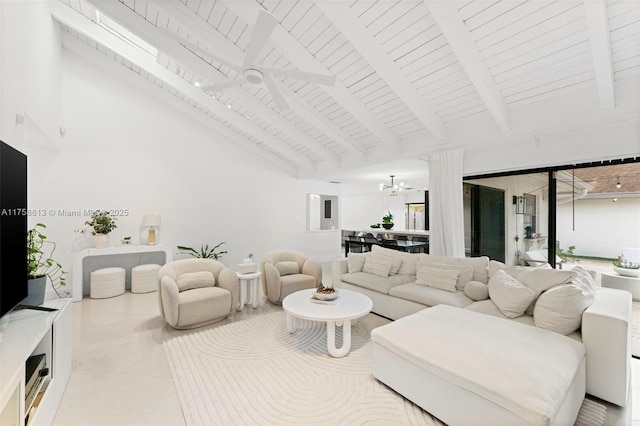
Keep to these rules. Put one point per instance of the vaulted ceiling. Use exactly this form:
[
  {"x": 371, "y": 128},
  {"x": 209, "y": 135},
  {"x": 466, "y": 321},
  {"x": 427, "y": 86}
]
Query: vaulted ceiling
[{"x": 411, "y": 76}]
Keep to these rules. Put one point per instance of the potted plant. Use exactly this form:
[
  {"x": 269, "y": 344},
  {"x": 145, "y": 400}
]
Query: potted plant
[
  {"x": 387, "y": 221},
  {"x": 204, "y": 253},
  {"x": 41, "y": 266},
  {"x": 626, "y": 268},
  {"x": 101, "y": 224}
]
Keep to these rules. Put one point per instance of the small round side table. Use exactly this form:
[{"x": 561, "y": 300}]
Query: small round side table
[{"x": 249, "y": 289}]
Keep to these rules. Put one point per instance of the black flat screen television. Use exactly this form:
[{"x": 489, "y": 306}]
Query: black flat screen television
[{"x": 13, "y": 227}]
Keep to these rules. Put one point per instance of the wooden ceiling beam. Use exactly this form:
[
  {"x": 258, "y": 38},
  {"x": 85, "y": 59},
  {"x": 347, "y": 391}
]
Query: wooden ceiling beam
[
  {"x": 445, "y": 14},
  {"x": 346, "y": 21},
  {"x": 301, "y": 58},
  {"x": 598, "y": 25}
]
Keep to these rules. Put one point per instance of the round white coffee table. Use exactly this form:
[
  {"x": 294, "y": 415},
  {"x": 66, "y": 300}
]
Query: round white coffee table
[{"x": 350, "y": 305}]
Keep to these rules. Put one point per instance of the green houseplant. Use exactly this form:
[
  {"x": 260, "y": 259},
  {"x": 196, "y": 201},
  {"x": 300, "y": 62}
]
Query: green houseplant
[
  {"x": 204, "y": 253},
  {"x": 101, "y": 224},
  {"x": 387, "y": 220},
  {"x": 41, "y": 266}
]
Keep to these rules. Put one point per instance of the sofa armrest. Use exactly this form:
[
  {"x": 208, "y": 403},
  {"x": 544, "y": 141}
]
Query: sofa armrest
[
  {"x": 169, "y": 296},
  {"x": 271, "y": 282},
  {"x": 338, "y": 268},
  {"x": 606, "y": 334},
  {"x": 229, "y": 281},
  {"x": 313, "y": 268}
]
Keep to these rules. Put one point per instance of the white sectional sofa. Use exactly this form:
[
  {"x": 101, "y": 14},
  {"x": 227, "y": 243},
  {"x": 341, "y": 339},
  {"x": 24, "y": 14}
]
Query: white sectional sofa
[{"x": 592, "y": 325}]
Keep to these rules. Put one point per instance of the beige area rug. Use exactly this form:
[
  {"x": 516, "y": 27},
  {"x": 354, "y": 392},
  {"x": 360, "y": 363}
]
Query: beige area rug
[{"x": 254, "y": 372}]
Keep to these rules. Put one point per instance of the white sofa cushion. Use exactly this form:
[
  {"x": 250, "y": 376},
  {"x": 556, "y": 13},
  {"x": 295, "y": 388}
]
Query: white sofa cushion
[
  {"x": 542, "y": 279},
  {"x": 355, "y": 262},
  {"x": 480, "y": 264},
  {"x": 530, "y": 377},
  {"x": 475, "y": 290},
  {"x": 560, "y": 308},
  {"x": 429, "y": 296},
  {"x": 375, "y": 282},
  {"x": 409, "y": 260},
  {"x": 378, "y": 265},
  {"x": 441, "y": 278},
  {"x": 192, "y": 280},
  {"x": 509, "y": 295},
  {"x": 287, "y": 267}
]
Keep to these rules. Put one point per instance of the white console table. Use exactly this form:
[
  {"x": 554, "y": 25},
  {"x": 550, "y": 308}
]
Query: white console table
[
  {"x": 124, "y": 255},
  {"x": 29, "y": 332}
]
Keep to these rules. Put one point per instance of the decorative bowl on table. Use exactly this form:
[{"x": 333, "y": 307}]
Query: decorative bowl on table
[
  {"x": 627, "y": 272},
  {"x": 325, "y": 295}
]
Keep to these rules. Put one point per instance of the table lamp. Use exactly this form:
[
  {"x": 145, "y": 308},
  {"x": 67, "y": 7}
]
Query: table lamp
[{"x": 151, "y": 223}]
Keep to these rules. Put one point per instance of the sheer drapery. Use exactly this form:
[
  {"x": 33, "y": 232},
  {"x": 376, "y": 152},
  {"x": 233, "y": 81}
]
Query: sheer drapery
[{"x": 446, "y": 228}]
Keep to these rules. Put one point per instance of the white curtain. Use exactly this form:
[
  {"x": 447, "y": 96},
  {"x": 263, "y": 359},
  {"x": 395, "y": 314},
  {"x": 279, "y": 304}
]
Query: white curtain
[{"x": 446, "y": 221}]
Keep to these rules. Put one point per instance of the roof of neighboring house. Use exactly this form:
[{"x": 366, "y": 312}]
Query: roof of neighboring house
[{"x": 604, "y": 178}]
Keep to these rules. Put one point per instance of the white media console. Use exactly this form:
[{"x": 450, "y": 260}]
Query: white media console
[{"x": 24, "y": 333}]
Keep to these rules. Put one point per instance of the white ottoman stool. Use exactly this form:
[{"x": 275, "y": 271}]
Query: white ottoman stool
[
  {"x": 107, "y": 282},
  {"x": 144, "y": 278}
]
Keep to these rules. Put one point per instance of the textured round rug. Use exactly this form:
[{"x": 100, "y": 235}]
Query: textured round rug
[{"x": 253, "y": 372}]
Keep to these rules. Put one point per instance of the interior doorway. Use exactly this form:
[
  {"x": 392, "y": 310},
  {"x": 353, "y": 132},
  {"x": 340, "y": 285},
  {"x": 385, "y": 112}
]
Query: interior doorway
[{"x": 484, "y": 221}]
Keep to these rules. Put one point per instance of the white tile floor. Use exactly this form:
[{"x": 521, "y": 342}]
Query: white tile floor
[{"x": 121, "y": 376}]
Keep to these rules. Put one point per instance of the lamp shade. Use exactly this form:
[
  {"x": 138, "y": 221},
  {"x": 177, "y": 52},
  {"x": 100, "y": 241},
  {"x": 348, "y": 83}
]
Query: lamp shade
[{"x": 150, "y": 220}]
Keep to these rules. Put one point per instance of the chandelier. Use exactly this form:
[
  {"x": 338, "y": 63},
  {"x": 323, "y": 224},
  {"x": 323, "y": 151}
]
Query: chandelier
[{"x": 394, "y": 187}]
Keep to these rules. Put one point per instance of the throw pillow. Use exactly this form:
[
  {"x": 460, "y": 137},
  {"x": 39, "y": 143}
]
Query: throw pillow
[
  {"x": 475, "y": 290},
  {"x": 510, "y": 296},
  {"x": 540, "y": 279},
  {"x": 288, "y": 267},
  {"x": 395, "y": 266},
  {"x": 443, "y": 279},
  {"x": 355, "y": 262},
  {"x": 378, "y": 265},
  {"x": 465, "y": 272},
  {"x": 191, "y": 280},
  {"x": 560, "y": 309}
]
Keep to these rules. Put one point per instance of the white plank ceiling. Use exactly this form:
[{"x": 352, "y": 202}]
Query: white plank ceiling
[{"x": 409, "y": 74}]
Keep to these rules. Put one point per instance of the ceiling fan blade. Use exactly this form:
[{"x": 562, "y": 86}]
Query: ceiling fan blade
[
  {"x": 265, "y": 24},
  {"x": 221, "y": 86},
  {"x": 192, "y": 46},
  {"x": 275, "y": 93},
  {"x": 327, "y": 80}
]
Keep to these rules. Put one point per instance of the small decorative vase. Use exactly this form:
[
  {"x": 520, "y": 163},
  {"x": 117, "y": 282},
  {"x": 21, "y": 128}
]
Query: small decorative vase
[
  {"x": 387, "y": 225},
  {"x": 100, "y": 240}
]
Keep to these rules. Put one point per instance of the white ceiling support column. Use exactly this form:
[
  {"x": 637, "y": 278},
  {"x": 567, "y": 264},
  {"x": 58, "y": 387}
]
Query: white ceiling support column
[
  {"x": 598, "y": 25},
  {"x": 136, "y": 24},
  {"x": 181, "y": 14},
  {"x": 446, "y": 15},
  {"x": 343, "y": 17},
  {"x": 304, "y": 60}
]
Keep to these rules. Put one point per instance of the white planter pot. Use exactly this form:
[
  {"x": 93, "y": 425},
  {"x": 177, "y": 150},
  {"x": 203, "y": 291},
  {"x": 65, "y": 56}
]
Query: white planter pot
[
  {"x": 100, "y": 240},
  {"x": 627, "y": 272}
]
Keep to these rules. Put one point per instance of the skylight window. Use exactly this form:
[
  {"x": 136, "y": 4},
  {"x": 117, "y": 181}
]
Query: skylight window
[{"x": 124, "y": 34}]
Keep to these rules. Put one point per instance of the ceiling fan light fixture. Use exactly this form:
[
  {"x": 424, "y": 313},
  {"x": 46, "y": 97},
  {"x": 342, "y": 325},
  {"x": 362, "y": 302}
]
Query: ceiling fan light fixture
[{"x": 253, "y": 76}]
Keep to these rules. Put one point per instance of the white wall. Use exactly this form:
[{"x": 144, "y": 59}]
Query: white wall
[
  {"x": 602, "y": 227},
  {"x": 125, "y": 150}
]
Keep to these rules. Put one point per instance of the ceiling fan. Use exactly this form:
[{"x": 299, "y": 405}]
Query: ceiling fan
[
  {"x": 252, "y": 72},
  {"x": 394, "y": 187}
]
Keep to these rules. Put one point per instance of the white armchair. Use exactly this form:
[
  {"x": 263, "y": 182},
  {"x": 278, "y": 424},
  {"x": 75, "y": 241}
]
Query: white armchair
[
  {"x": 285, "y": 272},
  {"x": 196, "y": 292}
]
